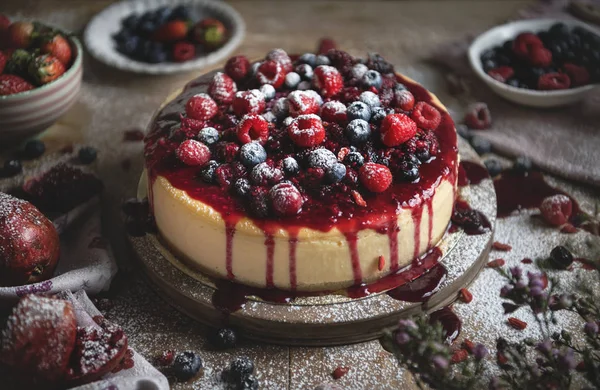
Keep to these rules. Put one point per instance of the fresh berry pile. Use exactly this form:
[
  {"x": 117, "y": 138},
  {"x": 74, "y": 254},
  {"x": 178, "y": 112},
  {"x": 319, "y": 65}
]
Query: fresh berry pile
[
  {"x": 168, "y": 34},
  {"x": 289, "y": 133},
  {"x": 31, "y": 55},
  {"x": 559, "y": 58}
]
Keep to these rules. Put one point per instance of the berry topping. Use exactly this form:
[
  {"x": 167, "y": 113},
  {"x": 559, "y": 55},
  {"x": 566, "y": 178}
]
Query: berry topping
[
  {"x": 208, "y": 135},
  {"x": 502, "y": 73},
  {"x": 478, "y": 116},
  {"x": 253, "y": 127},
  {"x": 371, "y": 78},
  {"x": 358, "y": 110},
  {"x": 540, "y": 56},
  {"x": 578, "y": 74},
  {"x": 224, "y": 338},
  {"x": 242, "y": 187},
  {"x": 186, "y": 365},
  {"x": 252, "y": 154},
  {"x": 249, "y": 102},
  {"x": 556, "y": 210},
  {"x": 222, "y": 88},
  {"x": 327, "y": 80},
  {"x": 281, "y": 108},
  {"x": 302, "y": 102},
  {"x": 404, "y": 100},
  {"x": 281, "y": 57},
  {"x": 554, "y": 81},
  {"x": 377, "y": 62},
  {"x": 271, "y": 72},
  {"x": 201, "y": 107},
  {"x": 375, "y": 177},
  {"x": 237, "y": 67},
  {"x": 321, "y": 158},
  {"x": 426, "y": 116},
  {"x": 286, "y": 199},
  {"x": 358, "y": 131},
  {"x": 10, "y": 84},
  {"x": 397, "y": 129},
  {"x": 306, "y": 130},
  {"x": 193, "y": 153}
]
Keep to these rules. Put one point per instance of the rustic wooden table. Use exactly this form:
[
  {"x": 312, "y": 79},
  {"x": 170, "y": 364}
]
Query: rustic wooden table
[{"x": 112, "y": 102}]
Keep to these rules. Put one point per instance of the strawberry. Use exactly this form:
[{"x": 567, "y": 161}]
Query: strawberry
[
  {"x": 210, "y": 33},
  {"x": 172, "y": 31},
  {"x": 39, "y": 339},
  {"x": 10, "y": 84},
  {"x": 59, "y": 47},
  {"x": 20, "y": 35},
  {"x": 578, "y": 74},
  {"x": 46, "y": 68},
  {"x": 3, "y": 60}
]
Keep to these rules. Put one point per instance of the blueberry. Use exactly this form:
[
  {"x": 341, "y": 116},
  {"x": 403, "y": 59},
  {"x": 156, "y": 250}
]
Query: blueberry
[
  {"x": 208, "y": 135},
  {"x": 288, "y": 121},
  {"x": 87, "y": 155},
  {"x": 162, "y": 15},
  {"x": 308, "y": 58},
  {"x": 377, "y": 114},
  {"x": 372, "y": 78},
  {"x": 249, "y": 383},
  {"x": 131, "y": 22},
  {"x": 336, "y": 173},
  {"x": 493, "y": 166},
  {"x": 358, "y": 110},
  {"x": 34, "y": 149},
  {"x": 304, "y": 85},
  {"x": 269, "y": 91},
  {"x": 208, "y": 171},
  {"x": 561, "y": 257},
  {"x": 370, "y": 99},
  {"x": 186, "y": 365},
  {"x": 354, "y": 160},
  {"x": 12, "y": 167},
  {"x": 487, "y": 55},
  {"x": 481, "y": 145},
  {"x": 522, "y": 164},
  {"x": 155, "y": 53},
  {"x": 305, "y": 71},
  {"x": 290, "y": 166},
  {"x": 252, "y": 154},
  {"x": 359, "y": 70},
  {"x": 409, "y": 168},
  {"x": 358, "y": 131},
  {"x": 269, "y": 117},
  {"x": 423, "y": 154},
  {"x": 122, "y": 36},
  {"x": 240, "y": 368},
  {"x": 281, "y": 108},
  {"x": 292, "y": 80},
  {"x": 129, "y": 46},
  {"x": 488, "y": 65},
  {"x": 226, "y": 338},
  {"x": 321, "y": 158},
  {"x": 181, "y": 12},
  {"x": 322, "y": 60},
  {"x": 463, "y": 131},
  {"x": 147, "y": 27}
]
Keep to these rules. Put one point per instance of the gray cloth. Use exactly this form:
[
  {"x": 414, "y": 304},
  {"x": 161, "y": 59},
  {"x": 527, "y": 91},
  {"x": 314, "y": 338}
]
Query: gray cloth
[{"x": 564, "y": 141}]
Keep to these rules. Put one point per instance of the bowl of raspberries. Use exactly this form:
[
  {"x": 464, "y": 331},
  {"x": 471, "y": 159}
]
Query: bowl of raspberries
[
  {"x": 162, "y": 36},
  {"x": 539, "y": 62},
  {"x": 40, "y": 76}
]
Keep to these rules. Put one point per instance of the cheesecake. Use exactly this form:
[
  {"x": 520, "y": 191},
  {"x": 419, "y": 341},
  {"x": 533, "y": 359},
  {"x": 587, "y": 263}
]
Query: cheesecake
[{"x": 302, "y": 173}]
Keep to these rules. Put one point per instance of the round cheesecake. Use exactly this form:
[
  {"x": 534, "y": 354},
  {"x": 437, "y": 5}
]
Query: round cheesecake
[{"x": 302, "y": 176}]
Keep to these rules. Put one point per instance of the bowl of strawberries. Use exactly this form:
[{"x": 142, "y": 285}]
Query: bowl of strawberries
[
  {"x": 40, "y": 77},
  {"x": 539, "y": 62}
]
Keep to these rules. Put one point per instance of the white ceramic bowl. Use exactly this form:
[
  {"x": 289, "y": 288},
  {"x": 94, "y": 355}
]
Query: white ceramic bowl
[
  {"x": 497, "y": 36},
  {"x": 99, "y": 41},
  {"x": 25, "y": 114}
]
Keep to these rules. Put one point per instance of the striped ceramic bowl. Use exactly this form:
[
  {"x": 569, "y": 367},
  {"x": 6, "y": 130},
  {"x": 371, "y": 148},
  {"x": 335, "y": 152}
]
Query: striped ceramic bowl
[{"x": 25, "y": 114}]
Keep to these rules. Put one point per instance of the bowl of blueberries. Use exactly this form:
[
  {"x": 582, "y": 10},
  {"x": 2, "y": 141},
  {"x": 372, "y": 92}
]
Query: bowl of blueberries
[
  {"x": 539, "y": 62},
  {"x": 164, "y": 36}
]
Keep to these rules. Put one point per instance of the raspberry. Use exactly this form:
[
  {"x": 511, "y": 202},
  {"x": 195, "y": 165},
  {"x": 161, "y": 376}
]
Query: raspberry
[
  {"x": 404, "y": 100},
  {"x": 281, "y": 57},
  {"x": 183, "y": 51},
  {"x": 226, "y": 151},
  {"x": 524, "y": 43},
  {"x": 328, "y": 80},
  {"x": 502, "y": 73},
  {"x": 556, "y": 210},
  {"x": 193, "y": 153},
  {"x": 334, "y": 111},
  {"x": 540, "y": 56},
  {"x": 271, "y": 72},
  {"x": 426, "y": 116},
  {"x": 302, "y": 102},
  {"x": 307, "y": 130},
  {"x": 201, "y": 107},
  {"x": 554, "y": 81},
  {"x": 222, "y": 88},
  {"x": 578, "y": 74},
  {"x": 253, "y": 127},
  {"x": 224, "y": 176},
  {"x": 264, "y": 174},
  {"x": 249, "y": 102},
  {"x": 326, "y": 44},
  {"x": 397, "y": 129},
  {"x": 478, "y": 116},
  {"x": 286, "y": 199},
  {"x": 375, "y": 177},
  {"x": 237, "y": 67}
]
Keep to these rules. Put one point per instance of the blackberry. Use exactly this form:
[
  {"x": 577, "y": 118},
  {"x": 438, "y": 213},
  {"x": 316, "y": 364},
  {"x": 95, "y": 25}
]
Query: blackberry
[
  {"x": 259, "y": 202},
  {"x": 242, "y": 187},
  {"x": 559, "y": 30},
  {"x": 225, "y": 338},
  {"x": 354, "y": 160},
  {"x": 561, "y": 257},
  {"x": 493, "y": 166},
  {"x": 208, "y": 135},
  {"x": 290, "y": 166},
  {"x": 208, "y": 171},
  {"x": 87, "y": 155},
  {"x": 186, "y": 365},
  {"x": 522, "y": 165},
  {"x": 34, "y": 149},
  {"x": 249, "y": 383},
  {"x": 12, "y": 167},
  {"x": 378, "y": 63}
]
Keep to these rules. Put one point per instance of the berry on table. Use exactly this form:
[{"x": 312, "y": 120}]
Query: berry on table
[
  {"x": 375, "y": 177},
  {"x": 481, "y": 145},
  {"x": 358, "y": 131},
  {"x": 371, "y": 78},
  {"x": 249, "y": 102},
  {"x": 522, "y": 165},
  {"x": 306, "y": 130},
  {"x": 327, "y": 80},
  {"x": 183, "y": 51},
  {"x": 358, "y": 110},
  {"x": 240, "y": 368},
  {"x": 286, "y": 199},
  {"x": 464, "y": 131},
  {"x": 222, "y": 88},
  {"x": 397, "y": 129},
  {"x": 478, "y": 116},
  {"x": 34, "y": 149},
  {"x": 186, "y": 365},
  {"x": 225, "y": 338},
  {"x": 426, "y": 116},
  {"x": 237, "y": 67},
  {"x": 193, "y": 153},
  {"x": 253, "y": 127},
  {"x": 561, "y": 257},
  {"x": 334, "y": 111},
  {"x": 201, "y": 107},
  {"x": 556, "y": 210},
  {"x": 271, "y": 72},
  {"x": 493, "y": 166},
  {"x": 252, "y": 154},
  {"x": 554, "y": 81},
  {"x": 208, "y": 135},
  {"x": 87, "y": 155}
]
